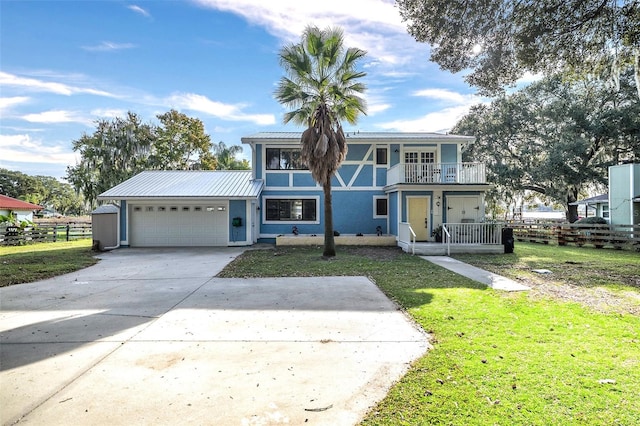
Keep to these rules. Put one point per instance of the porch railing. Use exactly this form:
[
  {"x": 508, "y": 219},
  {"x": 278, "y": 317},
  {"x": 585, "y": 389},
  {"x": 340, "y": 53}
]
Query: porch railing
[
  {"x": 437, "y": 173},
  {"x": 407, "y": 235},
  {"x": 473, "y": 233}
]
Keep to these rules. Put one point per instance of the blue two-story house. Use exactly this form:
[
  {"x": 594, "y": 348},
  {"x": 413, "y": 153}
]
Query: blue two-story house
[
  {"x": 401, "y": 186},
  {"x": 386, "y": 180}
]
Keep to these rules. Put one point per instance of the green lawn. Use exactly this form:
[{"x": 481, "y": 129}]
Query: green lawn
[
  {"x": 28, "y": 263},
  {"x": 535, "y": 358},
  {"x": 497, "y": 358}
]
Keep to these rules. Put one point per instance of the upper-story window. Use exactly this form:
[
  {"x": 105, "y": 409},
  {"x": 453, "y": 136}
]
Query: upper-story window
[
  {"x": 284, "y": 159},
  {"x": 381, "y": 156}
]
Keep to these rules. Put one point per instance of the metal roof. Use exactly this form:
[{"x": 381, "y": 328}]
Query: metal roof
[
  {"x": 9, "y": 203},
  {"x": 105, "y": 209},
  {"x": 603, "y": 198},
  {"x": 186, "y": 183},
  {"x": 357, "y": 135}
]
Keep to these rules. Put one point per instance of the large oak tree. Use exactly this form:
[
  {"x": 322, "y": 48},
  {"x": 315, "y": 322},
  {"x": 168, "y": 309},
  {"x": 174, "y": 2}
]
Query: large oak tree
[
  {"x": 555, "y": 137},
  {"x": 500, "y": 40}
]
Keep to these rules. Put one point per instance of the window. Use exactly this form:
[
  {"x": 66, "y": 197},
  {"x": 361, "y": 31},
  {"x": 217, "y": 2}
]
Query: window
[
  {"x": 137, "y": 209},
  {"x": 428, "y": 157},
  {"x": 284, "y": 159},
  {"x": 291, "y": 210},
  {"x": 185, "y": 209},
  {"x": 381, "y": 207},
  {"x": 381, "y": 155},
  {"x": 605, "y": 211},
  {"x": 173, "y": 209},
  {"x": 411, "y": 157},
  {"x": 149, "y": 208}
]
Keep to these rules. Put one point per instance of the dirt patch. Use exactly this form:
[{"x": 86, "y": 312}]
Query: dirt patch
[
  {"x": 373, "y": 252},
  {"x": 598, "y": 298}
]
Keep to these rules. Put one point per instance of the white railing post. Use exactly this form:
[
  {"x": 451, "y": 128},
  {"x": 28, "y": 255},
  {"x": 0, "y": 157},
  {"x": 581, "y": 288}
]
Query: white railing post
[
  {"x": 407, "y": 235},
  {"x": 447, "y": 235}
]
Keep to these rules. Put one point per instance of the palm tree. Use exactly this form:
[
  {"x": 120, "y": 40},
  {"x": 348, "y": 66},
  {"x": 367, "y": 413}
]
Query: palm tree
[
  {"x": 322, "y": 89},
  {"x": 226, "y": 157}
]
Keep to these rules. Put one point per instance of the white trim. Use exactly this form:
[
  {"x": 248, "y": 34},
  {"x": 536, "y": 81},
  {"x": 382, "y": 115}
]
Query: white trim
[
  {"x": 277, "y": 146},
  {"x": 375, "y": 209},
  {"x": 290, "y": 197},
  {"x": 294, "y": 190},
  {"x": 375, "y": 156}
]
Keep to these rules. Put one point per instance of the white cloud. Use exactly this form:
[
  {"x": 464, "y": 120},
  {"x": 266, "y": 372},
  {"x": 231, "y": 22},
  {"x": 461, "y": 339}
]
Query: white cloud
[
  {"x": 7, "y": 103},
  {"x": 36, "y": 85},
  {"x": 528, "y": 77},
  {"x": 23, "y": 149},
  {"x": 439, "y": 121},
  {"x": 108, "y": 113},
  {"x": 57, "y": 116},
  {"x": 372, "y": 25},
  {"x": 445, "y": 95},
  {"x": 194, "y": 102},
  {"x": 457, "y": 105},
  {"x": 139, "y": 10},
  {"x": 376, "y": 102},
  {"x": 375, "y": 108},
  {"x": 108, "y": 46}
]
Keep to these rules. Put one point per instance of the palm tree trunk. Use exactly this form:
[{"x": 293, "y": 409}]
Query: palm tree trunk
[{"x": 329, "y": 242}]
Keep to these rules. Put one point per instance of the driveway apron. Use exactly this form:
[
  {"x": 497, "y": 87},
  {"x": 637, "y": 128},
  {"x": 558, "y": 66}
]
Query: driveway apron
[{"x": 150, "y": 336}]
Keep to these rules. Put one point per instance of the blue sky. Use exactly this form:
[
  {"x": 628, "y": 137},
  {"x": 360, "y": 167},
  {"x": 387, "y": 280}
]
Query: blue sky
[{"x": 66, "y": 64}]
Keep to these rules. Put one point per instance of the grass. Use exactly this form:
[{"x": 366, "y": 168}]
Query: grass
[
  {"x": 28, "y": 263},
  {"x": 584, "y": 267},
  {"x": 497, "y": 358}
]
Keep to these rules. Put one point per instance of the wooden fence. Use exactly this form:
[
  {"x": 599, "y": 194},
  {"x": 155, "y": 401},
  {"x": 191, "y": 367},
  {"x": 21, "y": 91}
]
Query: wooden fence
[
  {"x": 42, "y": 233},
  {"x": 595, "y": 235}
]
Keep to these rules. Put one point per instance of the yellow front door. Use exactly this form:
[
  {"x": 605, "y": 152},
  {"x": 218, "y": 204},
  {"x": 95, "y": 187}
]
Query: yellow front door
[{"x": 419, "y": 217}]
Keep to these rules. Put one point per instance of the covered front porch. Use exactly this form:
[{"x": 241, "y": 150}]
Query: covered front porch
[{"x": 456, "y": 238}]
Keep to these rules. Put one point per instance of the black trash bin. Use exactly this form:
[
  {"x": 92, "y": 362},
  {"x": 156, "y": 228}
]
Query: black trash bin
[{"x": 507, "y": 240}]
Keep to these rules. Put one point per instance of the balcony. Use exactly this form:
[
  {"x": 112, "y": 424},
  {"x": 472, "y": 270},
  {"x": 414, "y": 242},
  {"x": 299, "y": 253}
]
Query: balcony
[{"x": 437, "y": 173}]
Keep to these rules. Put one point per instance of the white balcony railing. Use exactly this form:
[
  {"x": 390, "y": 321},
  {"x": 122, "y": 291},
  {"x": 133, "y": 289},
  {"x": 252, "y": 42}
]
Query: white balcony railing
[
  {"x": 437, "y": 173},
  {"x": 473, "y": 233}
]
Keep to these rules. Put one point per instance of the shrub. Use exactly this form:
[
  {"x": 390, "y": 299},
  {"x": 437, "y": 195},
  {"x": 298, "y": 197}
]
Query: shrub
[{"x": 593, "y": 220}]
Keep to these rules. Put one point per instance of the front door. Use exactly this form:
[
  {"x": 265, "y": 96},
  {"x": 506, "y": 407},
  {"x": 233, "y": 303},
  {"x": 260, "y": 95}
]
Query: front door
[{"x": 418, "y": 217}]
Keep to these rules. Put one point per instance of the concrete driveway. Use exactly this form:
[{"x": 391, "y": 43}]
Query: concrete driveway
[{"x": 150, "y": 336}]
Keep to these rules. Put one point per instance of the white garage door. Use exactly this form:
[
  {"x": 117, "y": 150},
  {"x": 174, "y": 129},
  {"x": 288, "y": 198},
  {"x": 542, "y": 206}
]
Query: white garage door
[{"x": 175, "y": 225}]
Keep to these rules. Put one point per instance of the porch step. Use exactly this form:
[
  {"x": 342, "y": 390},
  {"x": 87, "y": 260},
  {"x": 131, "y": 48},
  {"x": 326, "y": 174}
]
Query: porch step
[
  {"x": 495, "y": 281},
  {"x": 439, "y": 249}
]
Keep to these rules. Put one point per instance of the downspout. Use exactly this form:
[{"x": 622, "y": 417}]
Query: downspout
[{"x": 117, "y": 230}]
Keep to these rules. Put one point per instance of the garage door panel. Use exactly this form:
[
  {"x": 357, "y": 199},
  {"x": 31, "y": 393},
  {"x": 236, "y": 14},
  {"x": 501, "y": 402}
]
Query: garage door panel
[{"x": 179, "y": 225}]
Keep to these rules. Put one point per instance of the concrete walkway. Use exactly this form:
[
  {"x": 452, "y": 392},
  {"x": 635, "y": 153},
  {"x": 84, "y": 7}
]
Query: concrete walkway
[
  {"x": 492, "y": 280},
  {"x": 151, "y": 337}
]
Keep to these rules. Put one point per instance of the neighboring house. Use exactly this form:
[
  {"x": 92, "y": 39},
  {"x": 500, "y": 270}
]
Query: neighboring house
[
  {"x": 21, "y": 209},
  {"x": 621, "y": 206},
  {"x": 594, "y": 206},
  {"x": 387, "y": 180},
  {"x": 624, "y": 194}
]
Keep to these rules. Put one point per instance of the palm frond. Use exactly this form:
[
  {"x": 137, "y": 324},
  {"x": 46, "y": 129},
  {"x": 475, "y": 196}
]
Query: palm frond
[{"x": 322, "y": 88}]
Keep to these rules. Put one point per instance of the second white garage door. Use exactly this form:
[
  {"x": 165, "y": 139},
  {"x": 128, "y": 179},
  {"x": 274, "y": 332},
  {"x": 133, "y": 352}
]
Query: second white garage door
[{"x": 175, "y": 225}]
